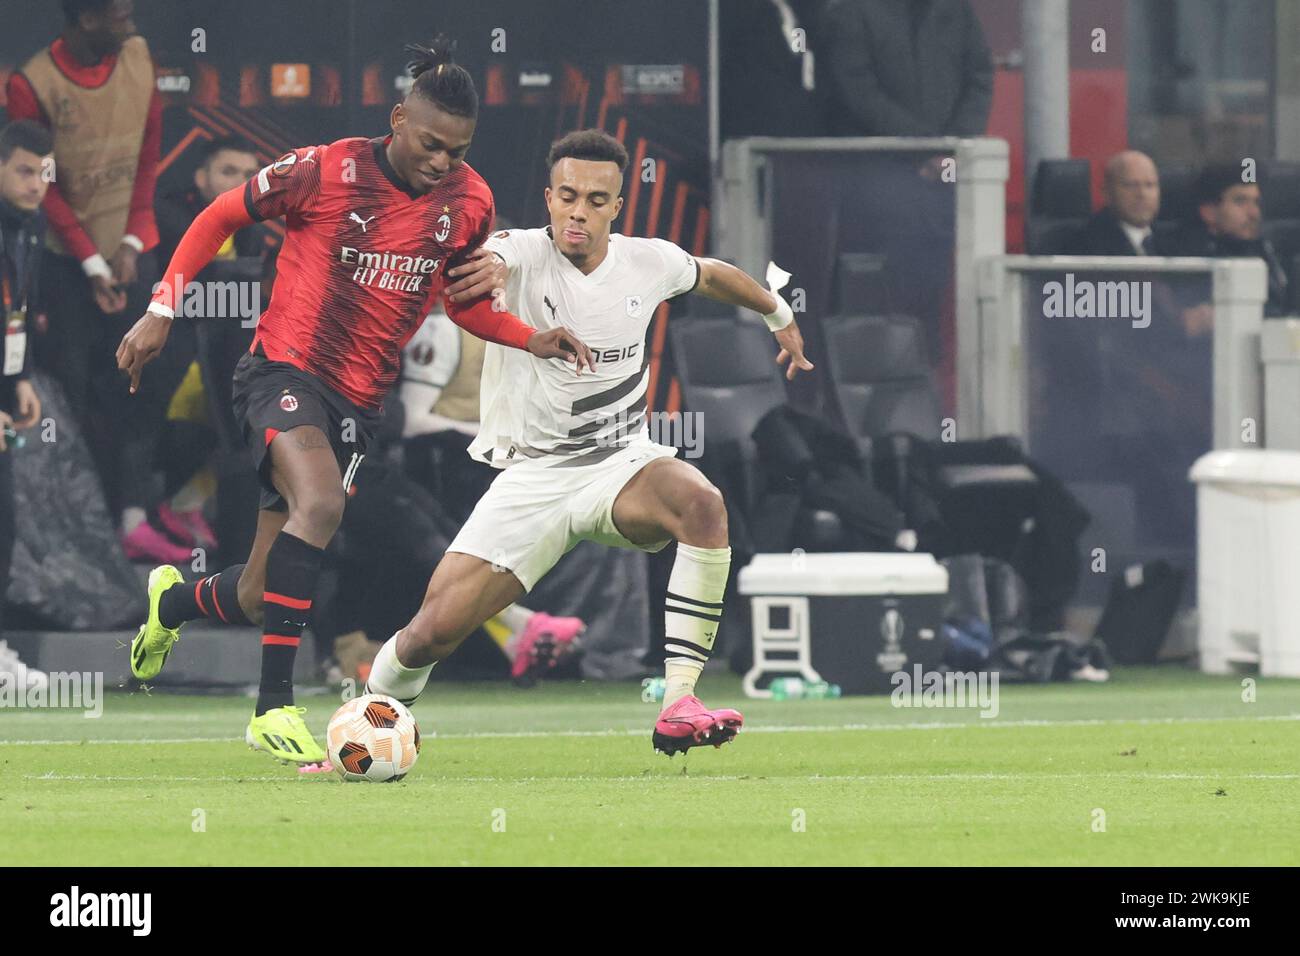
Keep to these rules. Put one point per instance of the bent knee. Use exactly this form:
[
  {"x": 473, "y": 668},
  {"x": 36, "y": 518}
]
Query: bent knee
[
  {"x": 436, "y": 630},
  {"x": 704, "y": 512},
  {"x": 322, "y": 511}
]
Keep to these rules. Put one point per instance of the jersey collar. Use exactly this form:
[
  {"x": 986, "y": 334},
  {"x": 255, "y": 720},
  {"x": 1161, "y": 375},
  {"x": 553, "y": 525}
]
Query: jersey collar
[
  {"x": 601, "y": 270},
  {"x": 379, "y": 146}
]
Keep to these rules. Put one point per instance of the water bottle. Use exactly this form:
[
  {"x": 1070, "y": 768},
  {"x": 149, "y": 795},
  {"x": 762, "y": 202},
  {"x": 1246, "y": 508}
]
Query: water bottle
[
  {"x": 820, "y": 690},
  {"x": 786, "y": 688},
  {"x": 652, "y": 690},
  {"x": 13, "y": 439},
  {"x": 796, "y": 688}
]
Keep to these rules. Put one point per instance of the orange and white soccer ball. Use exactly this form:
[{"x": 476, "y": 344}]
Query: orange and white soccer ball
[{"x": 373, "y": 738}]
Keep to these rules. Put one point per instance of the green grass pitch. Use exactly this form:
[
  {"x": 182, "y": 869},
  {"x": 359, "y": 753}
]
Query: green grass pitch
[{"x": 1160, "y": 766}]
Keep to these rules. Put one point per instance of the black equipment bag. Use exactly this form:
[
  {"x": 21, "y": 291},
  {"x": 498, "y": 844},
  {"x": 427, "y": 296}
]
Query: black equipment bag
[{"x": 1139, "y": 610}]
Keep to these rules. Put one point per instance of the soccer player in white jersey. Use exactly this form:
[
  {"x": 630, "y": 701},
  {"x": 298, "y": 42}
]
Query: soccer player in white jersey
[{"x": 577, "y": 461}]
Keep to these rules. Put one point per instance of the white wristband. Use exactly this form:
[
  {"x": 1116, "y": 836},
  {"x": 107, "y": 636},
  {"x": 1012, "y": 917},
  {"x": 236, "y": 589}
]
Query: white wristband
[
  {"x": 96, "y": 265},
  {"x": 783, "y": 315},
  {"x": 776, "y": 281},
  {"x": 157, "y": 308}
]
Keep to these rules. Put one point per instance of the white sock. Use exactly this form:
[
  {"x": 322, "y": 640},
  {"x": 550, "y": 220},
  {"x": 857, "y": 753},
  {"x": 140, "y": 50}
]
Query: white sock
[
  {"x": 680, "y": 675},
  {"x": 190, "y": 497},
  {"x": 132, "y": 519},
  {"x": 507, "y": 626},
  {"x": 515, "y": 617},
  {"x": 693, "y": 609},
  {"x": 390, "y": 676}
]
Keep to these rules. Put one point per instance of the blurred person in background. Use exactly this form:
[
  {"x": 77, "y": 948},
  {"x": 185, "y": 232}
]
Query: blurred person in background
[
  {"x": 25, "y": 152},
  {"x": 905, "y": 68},
  {"x": 93, "y": 87},
  {"x": 220, "y": 341},
  {"x": 767, "y": 76},
  {"x": 1122, "y": 227},
  {"x": 1229, "y": 214}
]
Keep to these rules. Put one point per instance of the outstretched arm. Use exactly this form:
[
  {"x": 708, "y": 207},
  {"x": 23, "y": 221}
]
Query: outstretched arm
[
  {"x": 210, "y": 229},
  {"x": 486, "y": 319},
  {"x": 724, "y": 282}
]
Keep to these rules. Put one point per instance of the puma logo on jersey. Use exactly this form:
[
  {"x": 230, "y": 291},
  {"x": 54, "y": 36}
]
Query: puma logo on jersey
[
  {"x": 551, "y": 305},
  {"x": 360, "y": 221}
]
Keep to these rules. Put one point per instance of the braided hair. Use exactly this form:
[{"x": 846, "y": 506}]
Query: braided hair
[{"x": 439, "y": 79}]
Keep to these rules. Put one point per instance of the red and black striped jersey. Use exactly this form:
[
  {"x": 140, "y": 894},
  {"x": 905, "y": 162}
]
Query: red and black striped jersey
[{"x": 363, "y": 258}]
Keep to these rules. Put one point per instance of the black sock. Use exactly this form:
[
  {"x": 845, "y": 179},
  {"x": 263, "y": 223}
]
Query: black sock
[
  {"x": 215, "y": 597},
  {"x": 292, "y": 567}
]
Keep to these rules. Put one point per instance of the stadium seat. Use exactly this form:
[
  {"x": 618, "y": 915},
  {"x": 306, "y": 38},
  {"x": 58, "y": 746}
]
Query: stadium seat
[
  {"x": 1050, "y": 237},
  {"x": 1061, "y": 203},
  {"x": 728, "y": 375},
  {"x": 1280, "y": 185},
  {"x": 862, "y": 282},
  {"x": 881, "y": 377},
  {"x": 887, "y": 401},
  {"x": 1062, "y": 189},
  {"x": 1177, "y": 183}
]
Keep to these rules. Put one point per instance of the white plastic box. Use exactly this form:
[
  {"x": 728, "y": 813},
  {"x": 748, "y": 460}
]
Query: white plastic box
[
  {"x": 852, "y": 619},
  {"x": 1248, "y": 560}
]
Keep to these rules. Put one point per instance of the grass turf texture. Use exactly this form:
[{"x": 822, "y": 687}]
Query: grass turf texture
[{"x": 1184, "y": 770}]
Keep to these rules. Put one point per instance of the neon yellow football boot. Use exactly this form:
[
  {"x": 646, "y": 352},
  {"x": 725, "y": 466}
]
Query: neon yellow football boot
[
  {"x": 150, "y": 647},
  {"x": 283, "y": 734}
]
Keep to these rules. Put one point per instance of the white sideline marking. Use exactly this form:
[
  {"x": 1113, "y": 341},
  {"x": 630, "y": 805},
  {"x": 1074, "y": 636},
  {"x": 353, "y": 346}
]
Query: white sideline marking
[
  {"x": 771, "y": 729},
  {"x": 708, "y": 778}
]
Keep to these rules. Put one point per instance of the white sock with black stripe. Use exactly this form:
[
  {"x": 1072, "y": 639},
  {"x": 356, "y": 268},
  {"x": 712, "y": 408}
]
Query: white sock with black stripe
[
  {"x": 390, "y": 676},
  {"x": 692, "y": 612}
]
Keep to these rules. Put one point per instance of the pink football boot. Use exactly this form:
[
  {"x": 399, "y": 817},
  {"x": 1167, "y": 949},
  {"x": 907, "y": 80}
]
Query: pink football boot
[
  {"x": 147, "y": 543},
  {"x": 546, "y": 641},
  {"x": 187, "y": 526},
  {"x": 688, "y": 724}
]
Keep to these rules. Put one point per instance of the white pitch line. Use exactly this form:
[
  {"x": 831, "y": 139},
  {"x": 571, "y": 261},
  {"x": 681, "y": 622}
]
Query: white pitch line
[
  {"x": 88, "y": 742},
  {"x": 760, "y": 729},
  {"x": 100, "y": 778},
  {"x": 710, "y": 778}
]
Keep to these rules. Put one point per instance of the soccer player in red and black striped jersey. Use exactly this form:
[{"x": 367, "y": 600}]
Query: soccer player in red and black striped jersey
[{"x": 372, "y": 226}]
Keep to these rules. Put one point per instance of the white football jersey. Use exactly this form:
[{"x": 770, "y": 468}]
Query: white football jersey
[{"x": 534, "y": 409}]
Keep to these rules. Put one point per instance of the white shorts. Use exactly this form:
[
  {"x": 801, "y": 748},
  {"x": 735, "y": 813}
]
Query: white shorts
[{"x": 532, "y": 515}]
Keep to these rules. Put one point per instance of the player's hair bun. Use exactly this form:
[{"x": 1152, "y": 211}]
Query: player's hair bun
[
  {"x": 438, "y": 78},
  {"x": 436, "y": 56}
]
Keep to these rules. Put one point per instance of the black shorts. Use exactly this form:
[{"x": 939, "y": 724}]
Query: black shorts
[{"x": 272, "y": 397}]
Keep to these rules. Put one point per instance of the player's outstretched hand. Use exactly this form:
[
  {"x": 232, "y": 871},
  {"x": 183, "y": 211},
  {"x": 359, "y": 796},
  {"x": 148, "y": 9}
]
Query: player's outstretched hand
[
  {"x": 563, "y": 344},
  {"x": 481, "y": 273},
  {"x": 791, "y": 350},
  {"x": 141, "y": 345}
]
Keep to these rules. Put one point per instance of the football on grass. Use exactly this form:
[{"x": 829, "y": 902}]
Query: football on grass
[{"x": 373, "y": 738}]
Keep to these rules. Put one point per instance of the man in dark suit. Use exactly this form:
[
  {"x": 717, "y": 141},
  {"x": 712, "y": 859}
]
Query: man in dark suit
[
  {"x": 905, "y": 68},
  {"x": 1123, "y": 226},
  {"x": 1226, "y": 224}
]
